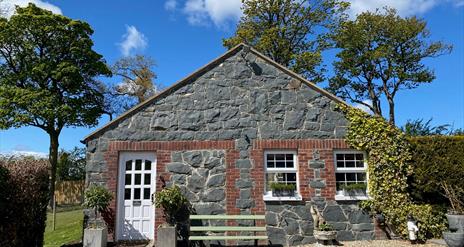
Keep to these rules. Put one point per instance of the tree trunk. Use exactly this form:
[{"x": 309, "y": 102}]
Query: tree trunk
[
  {"x": 53, "y": 158},
  {"x": 391, "y": 104}
]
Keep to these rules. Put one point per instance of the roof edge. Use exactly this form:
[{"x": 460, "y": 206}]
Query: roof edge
[{"x": 201, "y": 70}]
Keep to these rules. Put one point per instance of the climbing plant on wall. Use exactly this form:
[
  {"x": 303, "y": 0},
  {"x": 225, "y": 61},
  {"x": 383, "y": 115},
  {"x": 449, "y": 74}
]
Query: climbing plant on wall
[{"x": 388, "y": 170}]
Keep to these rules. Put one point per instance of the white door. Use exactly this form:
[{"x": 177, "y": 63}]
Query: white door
[{"x": 136, "y": 184}]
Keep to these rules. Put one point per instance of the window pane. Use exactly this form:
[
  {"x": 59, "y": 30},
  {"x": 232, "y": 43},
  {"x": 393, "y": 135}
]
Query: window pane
[
  {"x": 147, "y": 165},
  {"x": 340, "y": 177},
  {"x": 289, "y": 157},
  {"x": 127, "y": 194},
  {"x": 137, "y": 179},
  {"x": 340, "y": 164},
  {"x": 359, "y": 164},
  {"x": 280, "y": 164},
  {"x": 137, "y": 194},
  {"x": 280, "y": 156},
  {"x": 351, "y": 177},
  {"x": 128, "y": 165},
  {"x": 339, "y": 185},
  {"x": 270, "y": 157},
  {"x": 270, "y": 164},
  {"x": 361, "y": 176},
  {"x": 138, "y": 165},
  {"x": 146, "y": 193},
  {"x": 349, "y": 164},
  {"x": 128, "y": 179},
  {"x": 291, "y": 177},
  {"x": 359, "y": 157},
  {"x": 290, "y": 164},
  {"x": 340, "y": 157},
  {"x": 146, "y": 179},
  {"x": 349, "y": 156}
]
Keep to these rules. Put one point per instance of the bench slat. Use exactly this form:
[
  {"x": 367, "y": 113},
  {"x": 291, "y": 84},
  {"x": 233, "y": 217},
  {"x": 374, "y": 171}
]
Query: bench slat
[
  {"x": 227, "y": 237},
  {"x": 228, "y": 228},
  {"x": 227, "y": 217}
]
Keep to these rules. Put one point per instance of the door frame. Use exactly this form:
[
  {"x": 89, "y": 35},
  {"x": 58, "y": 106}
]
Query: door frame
[{"x": 122, "y": 158}]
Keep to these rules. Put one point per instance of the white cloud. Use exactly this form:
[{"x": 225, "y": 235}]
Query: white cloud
[
  {"x": 364, "y": 107},
  {"x": 201, "y": 12},
  {"x": 170, "y": 5},
  {"x": 132, "y": 40},
  {"x": 8, "y": 7},
  {"x": 404, "y": 7}
]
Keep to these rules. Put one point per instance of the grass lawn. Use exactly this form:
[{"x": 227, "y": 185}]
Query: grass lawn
[{"x": 68, "y": 228}]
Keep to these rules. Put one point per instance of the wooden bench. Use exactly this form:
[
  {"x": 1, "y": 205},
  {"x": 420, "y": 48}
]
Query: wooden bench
[{"x": 205, "y": 229}]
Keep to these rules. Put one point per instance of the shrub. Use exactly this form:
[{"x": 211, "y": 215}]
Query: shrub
[
  {"x": 282, "y": 186},
  {"x": 24, "y": 186},
  {"x": 173, "y": 203},
  {"x": 438, "y": 163},
  {"x": 389, "y": 167},
  {"x": 98, "y": 198}
]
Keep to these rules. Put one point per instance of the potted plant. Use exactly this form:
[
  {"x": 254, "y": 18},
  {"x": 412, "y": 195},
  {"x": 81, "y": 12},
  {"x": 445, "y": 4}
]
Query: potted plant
[
  {"x": 175, "y": 208},
  {"x": 283, "y": 190},
  {"x": 455, "y": 236},
  {"x": 98, "y": 198},
  {"x": 325, "y": 233},
  {"x": 358, "y": 189}
]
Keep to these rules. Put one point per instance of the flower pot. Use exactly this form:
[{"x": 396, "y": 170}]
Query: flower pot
[
  {"x": 283, "y": 193},
  {"x": 454, "y": 239},
  {"x": 95, "y": 237},
  {"x": 455, "y": 222},
  {"x": 325, "y": 235},
  {"x": 166, "y": 236},
  {"x": 357, "y": 192}
]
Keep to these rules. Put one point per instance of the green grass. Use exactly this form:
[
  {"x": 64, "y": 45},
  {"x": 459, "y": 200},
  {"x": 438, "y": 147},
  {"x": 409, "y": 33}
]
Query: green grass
[{"x": 68, "y": 228}]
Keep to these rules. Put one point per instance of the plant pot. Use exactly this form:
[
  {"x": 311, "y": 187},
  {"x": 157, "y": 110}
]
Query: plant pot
[
  {"x": 283, "y": 193},
  {"x": 166, "y": 236},
  {"x": 454, "y": 239},
  {"x": 455, "y": 222},
  {"x": 95, "y": 237},
  {"x": 357, "y": 192},
  {"x": 325, "y": 235}
]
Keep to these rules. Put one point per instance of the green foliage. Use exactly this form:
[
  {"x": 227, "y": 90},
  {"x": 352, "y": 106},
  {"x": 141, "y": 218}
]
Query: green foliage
[
  {"x": 382, "y": 53},
  {"x": 71, "y": 164},
  {"x": 282, "y": 186},
  {"x": 23, "y": 202},
  {"x": 98, "y": 198},
  {"x": 48, "y": 74},
  {"x": 173, "y": 203},
  {"x": 419, "y": 127},
  {"x": 357, "y": 186},
  {"x": 438, "y": 163},
  {"x": 325, "y": 227},
  {"x": 388, "y": 168},
  {"x": 292, "y": 33}
]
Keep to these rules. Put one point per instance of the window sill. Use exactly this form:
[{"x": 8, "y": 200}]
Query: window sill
[
  {"x": 351, "y": 198},
  {"x": 269, "y": 198}
]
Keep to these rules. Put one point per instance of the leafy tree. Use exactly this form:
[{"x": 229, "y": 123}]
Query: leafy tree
[
  {"x": 47, "y": 75},
  {"x": 382, "y": 53},
  {"x": 136, "y": 84},
  {"x": 291, "y": 32},
  {"x": 419, "y": 127},
  {"x": 71, "y": 164}
]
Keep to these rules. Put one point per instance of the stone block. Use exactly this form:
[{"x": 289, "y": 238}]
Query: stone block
[
  {"x": 243, "y": 164},
  {"x": 316, "y": 164},
  {"x": 276, "y": 235},
  {"x": 177, "y": 167},
  {"x": 345, "y": 236},
  {"x": 334, "y": 214},
  {"x": 362, "y": 227},
  {"x": 359, "y": 216},
  {"x": 166, "y": 236},
  {"x": 317, "y": 183},
  {"x": 216, "y": 180}
]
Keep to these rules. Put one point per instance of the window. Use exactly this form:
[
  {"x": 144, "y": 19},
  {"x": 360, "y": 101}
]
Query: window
[
  {"x": 350, "y": 175},
  {"x": 281, "y": 168}
]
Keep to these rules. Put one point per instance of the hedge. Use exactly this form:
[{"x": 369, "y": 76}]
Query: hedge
[
  {"x": 24, "y": 186},
  {"x": 436, "y": 159}
]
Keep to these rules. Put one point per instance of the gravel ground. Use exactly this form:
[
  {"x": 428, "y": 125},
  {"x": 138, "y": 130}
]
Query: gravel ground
[{"x": 379, "y": 243}]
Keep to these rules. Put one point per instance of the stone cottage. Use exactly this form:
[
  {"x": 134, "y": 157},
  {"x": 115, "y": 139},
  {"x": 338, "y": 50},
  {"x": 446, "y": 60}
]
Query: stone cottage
[{"x": 224, "y": 134}]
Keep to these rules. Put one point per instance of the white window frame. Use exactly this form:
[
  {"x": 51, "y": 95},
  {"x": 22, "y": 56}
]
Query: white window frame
[
  {"x": 340, "y": 196},
  {"x": 268, "y": 194}
]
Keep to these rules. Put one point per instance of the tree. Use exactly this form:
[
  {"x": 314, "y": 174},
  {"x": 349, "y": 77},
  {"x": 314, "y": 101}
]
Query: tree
[
  {"x": 47, "y": 75},
  {"x": 382, "y": 53},
  {"x": 291, "y": 32},
  {"x": 136, "y": 84},
  {"x": 71, "y": 164}
]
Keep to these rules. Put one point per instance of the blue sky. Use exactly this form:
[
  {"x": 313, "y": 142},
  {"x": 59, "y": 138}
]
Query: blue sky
[{"x": 183, "y": 35}]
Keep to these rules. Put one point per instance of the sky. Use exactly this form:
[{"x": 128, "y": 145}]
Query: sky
[{"x": 183, "y": 35}]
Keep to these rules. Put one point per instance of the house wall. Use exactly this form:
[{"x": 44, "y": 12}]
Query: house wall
[{"x": 236, "y": 110}]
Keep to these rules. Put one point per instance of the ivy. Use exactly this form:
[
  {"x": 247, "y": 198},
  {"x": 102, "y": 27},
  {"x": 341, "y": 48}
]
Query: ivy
[{"x": 388, "y": 169}]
